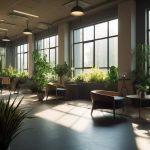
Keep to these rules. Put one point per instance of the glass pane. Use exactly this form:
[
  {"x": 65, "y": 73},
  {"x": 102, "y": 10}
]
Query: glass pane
[
  {"x": 113, "y": 51},
  {"x": 40, "y": 44},
  {"x": 46, "y": 52},
  {"x": 88, "y": 54},
  {"x": 113, "y": 27},
  {"x": 2, "y": 51},
  {"x": 78, "y": 35},
  {"x": 78, "y": 72},
  {"x": 78, "y": 55},
  {"x": 46, "y": 43},
  {"x": 25, "y": 47},
  {"x": 25, "y": 60},
  {"x": 18, "y": 63},
  {"x": 3, "y": 61},
  {"x": 101, "y": 30},
  {"x": 52, "y": 41},
  {"x": 18, "y": 49},
  {"x": 89, "y": 33},
  {"x": 52, "y": 56},
  {"x": 101, "y": 53},
  {"x": 149, "y": 38},
  {"x": 86, "y": 70},
  {"x": 56, "y": 55},
  {"x": 41, "y": 53},
  {"x": 57, "y": 40},
  {"x": 21, "y": 49},
  {"x": 149, "y": 19},
  {"x": 21, "y": 64}
]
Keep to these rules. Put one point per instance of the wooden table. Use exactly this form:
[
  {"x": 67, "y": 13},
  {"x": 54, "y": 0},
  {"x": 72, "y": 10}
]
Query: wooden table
[{"x": 140, "y": 99}]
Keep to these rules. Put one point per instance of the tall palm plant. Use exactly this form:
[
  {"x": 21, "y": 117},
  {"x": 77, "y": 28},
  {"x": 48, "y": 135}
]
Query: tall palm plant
[{"x": 11, "y": 120}]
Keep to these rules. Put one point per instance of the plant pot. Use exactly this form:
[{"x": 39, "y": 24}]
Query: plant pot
[
  {"x": 41, "y": 95},
  {"x": 142, "y": 94}
]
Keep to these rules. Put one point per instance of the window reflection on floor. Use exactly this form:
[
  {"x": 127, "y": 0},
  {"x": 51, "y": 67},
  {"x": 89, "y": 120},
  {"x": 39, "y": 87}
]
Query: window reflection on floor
[{"x": 67, "y": 115}]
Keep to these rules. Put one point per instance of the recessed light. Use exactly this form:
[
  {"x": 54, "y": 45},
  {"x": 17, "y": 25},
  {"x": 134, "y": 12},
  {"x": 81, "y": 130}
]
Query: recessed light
[
  {"x": 3, "y": 29},
  {"x": 24, "y": 13}
]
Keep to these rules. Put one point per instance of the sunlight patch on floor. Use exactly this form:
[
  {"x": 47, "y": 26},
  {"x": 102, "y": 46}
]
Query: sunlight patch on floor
[
  {"x": 68, "y": 116},
  {"x": 142, "y": 137}
]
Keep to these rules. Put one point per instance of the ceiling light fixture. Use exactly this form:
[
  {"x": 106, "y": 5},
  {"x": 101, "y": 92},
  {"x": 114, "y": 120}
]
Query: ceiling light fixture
[
  {"x": 77, "y": 10},
  {"x": 3, "y": 29},
  {"x": 5, "y": 38},
  {"x": 26, "y": 14},
  {"x": 27, "y": 31}
]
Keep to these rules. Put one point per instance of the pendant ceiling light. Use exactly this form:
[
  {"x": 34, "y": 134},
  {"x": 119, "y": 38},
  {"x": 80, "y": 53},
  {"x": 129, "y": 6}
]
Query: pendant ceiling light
[
  {"x": 5, "y": 38},
  {"x": 77, "y": 10},
  {"x": 27, "y": 31}
]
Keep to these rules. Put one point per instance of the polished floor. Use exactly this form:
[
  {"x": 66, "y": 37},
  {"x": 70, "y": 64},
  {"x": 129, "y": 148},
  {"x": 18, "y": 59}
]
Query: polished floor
[{"x": 67, "y": 125}]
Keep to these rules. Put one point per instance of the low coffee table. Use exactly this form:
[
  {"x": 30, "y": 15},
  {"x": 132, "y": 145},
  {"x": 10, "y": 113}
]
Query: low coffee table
[{"x": 140, "y": 101}]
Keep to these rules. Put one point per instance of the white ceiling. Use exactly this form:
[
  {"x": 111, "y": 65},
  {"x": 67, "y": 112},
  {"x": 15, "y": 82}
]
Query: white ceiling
[{"x": 49, "y": 11}]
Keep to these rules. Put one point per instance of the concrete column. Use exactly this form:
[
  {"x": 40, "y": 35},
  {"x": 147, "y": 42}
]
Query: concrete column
[
  {"x": 63, "y": 32},
  {"x": 31, "y": 48},
  {"x": 126, "y": 41}
]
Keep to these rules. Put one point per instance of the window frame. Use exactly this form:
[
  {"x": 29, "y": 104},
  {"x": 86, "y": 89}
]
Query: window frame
[
  {"x": 22, "y": 53},
  {"x": 94, "y": 41},
  {"x": 49, "y": 47}
]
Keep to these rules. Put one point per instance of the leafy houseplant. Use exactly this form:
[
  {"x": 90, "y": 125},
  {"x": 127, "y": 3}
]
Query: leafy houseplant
[
  {"x": 9, "y": 72},
  {"x": 40, "y": 74},
  {"x": 140, "y": 76},
  {"x": 112, "y": 75},
  {"x": 142, "y": 89},
  {"x": 11, "y": 121},
  {"x": 61, "y": 70}
]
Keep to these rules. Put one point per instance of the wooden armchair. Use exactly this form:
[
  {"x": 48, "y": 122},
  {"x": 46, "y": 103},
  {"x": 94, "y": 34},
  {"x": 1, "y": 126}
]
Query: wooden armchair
[{"x": 102, "y": 99}]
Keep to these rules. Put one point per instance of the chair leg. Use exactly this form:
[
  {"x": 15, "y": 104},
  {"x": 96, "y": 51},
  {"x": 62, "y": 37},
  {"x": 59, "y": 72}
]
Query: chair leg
[
  {"x": 92, "y": 110},
  {"x": 114, "y": 113}
]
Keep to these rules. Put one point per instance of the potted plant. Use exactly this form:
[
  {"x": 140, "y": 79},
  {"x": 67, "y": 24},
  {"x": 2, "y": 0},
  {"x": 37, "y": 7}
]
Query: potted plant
[
  {"x": 11, "y": 120},
  {"x": 61, "y": 70},
  {"x": 40, "y": 73},
  {"x": 142, "y": 89}
]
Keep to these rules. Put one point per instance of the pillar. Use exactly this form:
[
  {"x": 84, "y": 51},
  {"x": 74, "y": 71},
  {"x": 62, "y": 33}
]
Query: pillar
[{"x": 126, "y": 41}]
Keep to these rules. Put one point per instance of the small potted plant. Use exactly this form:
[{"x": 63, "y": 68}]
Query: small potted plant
[
  {"x": 142, "y": 89},
  {"x": 61, "y": 70},
  {"x": 40, "y": 73}
]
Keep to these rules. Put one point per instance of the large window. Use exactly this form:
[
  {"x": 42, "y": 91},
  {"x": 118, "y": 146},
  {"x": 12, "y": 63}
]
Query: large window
[
  {"x": 3, "y": 57},
  {"x": 22, "y": 58},
  {"x": 95, "y": 46},
  {"x": 49, "y": 47}
]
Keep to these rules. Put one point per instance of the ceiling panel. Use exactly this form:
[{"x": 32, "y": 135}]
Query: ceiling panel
[{"x": 49, "y": 11}]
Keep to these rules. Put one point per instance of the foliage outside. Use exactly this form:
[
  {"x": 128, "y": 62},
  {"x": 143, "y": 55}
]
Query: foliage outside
[
  {"x": 11, "y": 120},
  {"x": 97, "y": 75},
  {"x": 41, "y": 70}
]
